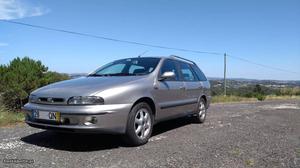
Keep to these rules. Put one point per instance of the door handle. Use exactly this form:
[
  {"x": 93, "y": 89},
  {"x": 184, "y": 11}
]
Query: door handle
[{"x": 201, "y": 85}]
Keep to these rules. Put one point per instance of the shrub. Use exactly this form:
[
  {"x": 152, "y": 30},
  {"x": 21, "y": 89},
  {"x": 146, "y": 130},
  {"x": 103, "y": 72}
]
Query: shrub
[
  {"x": 259, "y": 93},
  {"x": 260, "y": 97}
]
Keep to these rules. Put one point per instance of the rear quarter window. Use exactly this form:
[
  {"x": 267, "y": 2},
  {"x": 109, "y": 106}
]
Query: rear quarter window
[{"x": 200, "y": 75}]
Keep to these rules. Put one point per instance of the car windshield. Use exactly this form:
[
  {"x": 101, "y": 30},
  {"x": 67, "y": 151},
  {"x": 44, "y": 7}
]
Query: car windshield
[{"x": 128, "y": 67}]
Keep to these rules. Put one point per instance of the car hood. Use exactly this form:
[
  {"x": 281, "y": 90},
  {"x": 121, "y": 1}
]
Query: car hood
[{"x": 84, "y": 86}]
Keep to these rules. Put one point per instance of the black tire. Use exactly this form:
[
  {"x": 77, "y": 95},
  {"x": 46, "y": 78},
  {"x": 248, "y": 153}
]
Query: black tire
[
  {"x": 131, "y": 137},
  {"x": 200, "y": 118}
]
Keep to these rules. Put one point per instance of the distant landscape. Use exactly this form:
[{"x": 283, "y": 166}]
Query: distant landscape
[
  {"x": 240, "y": 82},
  {"x": 239, "y": 89}
]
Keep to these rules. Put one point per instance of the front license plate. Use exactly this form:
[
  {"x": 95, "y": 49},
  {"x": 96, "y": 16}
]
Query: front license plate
[{"x": 46, "y": 115}]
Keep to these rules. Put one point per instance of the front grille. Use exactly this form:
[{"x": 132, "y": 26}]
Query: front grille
[{"x": 51, "y": 100}]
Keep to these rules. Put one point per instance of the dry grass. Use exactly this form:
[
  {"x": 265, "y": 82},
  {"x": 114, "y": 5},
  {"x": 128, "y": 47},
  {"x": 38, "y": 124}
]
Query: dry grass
[
  {"x": 228, "y": 99},
  {"x": 8, "y": 117},
  {"x": 297, "y": 152},
  {"x": 249, "y": 162},
  {"x": 274, "y": 97}
]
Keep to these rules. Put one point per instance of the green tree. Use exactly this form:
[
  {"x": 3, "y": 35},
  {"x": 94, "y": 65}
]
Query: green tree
[
  {"x": 259, "y": 93},
  {"x": 20, "y": 77},
  {"x": 257, "y": 89}
]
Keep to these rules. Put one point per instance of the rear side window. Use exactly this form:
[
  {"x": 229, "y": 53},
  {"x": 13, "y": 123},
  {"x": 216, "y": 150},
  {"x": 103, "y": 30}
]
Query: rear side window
[
  {"x": 199, "y": 73},
  {"x": 187, "y": 72},
  {"x": 170, "y": 66}
]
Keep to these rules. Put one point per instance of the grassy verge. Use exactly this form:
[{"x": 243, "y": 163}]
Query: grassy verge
[
  {"x": 229, "y": 99},
  {"x": 8, "y": 117},
  {"x": 274, "y": 97}
]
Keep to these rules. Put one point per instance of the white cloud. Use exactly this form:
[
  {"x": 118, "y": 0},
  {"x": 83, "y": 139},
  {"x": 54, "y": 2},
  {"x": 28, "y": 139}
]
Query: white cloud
[
  {"x": 3, "y": 44},
  {"x": 17, "y": 9}
]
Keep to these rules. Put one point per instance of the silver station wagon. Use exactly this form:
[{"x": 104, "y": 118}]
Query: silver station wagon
[{"x": 127, "y": 96}]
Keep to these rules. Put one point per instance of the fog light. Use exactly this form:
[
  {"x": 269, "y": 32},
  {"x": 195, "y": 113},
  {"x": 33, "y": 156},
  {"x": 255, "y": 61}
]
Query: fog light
[
  {"x": 90, "y": 121},
  {"x": 94, "y": 120},
  {"x": 65, "y": 121}
]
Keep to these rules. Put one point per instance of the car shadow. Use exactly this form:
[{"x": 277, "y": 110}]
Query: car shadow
[
  {"x": 171, "y": 125},
  {"x": 93, "y": 142}
]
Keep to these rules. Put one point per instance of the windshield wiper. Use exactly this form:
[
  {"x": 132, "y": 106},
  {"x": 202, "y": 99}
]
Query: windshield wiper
[
  {"x": 117, "y": 74},
  {"x": 98, "y": 75},
  {"x": 122, "y": 74}
]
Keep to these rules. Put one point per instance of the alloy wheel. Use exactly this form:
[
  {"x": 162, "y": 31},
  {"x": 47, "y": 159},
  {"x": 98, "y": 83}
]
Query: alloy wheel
[
  {"x": 202, "y": 110},
  {"x": 142, "y": 123}
]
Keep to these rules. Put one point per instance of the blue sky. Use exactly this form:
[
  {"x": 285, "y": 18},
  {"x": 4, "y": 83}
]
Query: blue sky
[{"x": 266, "y": 32}]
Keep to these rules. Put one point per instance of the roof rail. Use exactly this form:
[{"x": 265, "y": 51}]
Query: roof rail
[{"x": 175, "y": 56}]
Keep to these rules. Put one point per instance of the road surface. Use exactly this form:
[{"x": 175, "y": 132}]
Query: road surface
[{"x": 260, "y": 134}]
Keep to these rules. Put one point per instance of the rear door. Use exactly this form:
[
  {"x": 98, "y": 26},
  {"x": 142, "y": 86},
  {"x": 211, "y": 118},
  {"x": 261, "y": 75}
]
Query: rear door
[
  {"x": 203, "y": 80},
  {"x": 193, "y": 87},
  {"x": 169, "y": 93}
]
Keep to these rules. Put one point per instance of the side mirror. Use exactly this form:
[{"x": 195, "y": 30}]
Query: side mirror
[{"x": 167, "y": 75}]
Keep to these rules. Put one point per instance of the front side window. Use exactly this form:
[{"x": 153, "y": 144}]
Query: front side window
[
  {"x": 169, "y": 66},
  {"x": 186, "y": 71},
  {"x": 128, "y": 67}
]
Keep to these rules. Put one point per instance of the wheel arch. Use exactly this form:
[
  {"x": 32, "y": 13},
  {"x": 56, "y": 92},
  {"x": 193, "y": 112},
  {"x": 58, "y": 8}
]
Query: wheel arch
[
  {"x": 205, "y": 99},
  {"x": 149, "y": 101}
]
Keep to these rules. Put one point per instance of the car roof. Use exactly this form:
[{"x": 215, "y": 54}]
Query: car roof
[
  {"x": 181, "y": 59},
  {"x": 173, "y": 57}
]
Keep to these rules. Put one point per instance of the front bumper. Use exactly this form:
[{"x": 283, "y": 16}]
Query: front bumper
[{"x": 109, "y": 118}]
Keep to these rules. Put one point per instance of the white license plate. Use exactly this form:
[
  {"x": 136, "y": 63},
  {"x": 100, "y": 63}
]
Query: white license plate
[{"x": 46, "y": 115}]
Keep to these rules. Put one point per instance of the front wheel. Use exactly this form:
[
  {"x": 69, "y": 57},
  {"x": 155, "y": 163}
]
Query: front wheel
[
  {"x": 139, "y": 125},
  {"x": 201, "y": 113}
]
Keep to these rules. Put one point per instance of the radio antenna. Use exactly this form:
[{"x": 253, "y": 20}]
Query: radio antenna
[{"x": 143, "y": 53}]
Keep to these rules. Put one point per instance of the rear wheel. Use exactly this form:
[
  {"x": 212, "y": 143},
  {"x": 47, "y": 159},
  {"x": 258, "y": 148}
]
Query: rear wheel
[
  {"x": 139, "y": 125},
  {"x": 201, "y": 113}
]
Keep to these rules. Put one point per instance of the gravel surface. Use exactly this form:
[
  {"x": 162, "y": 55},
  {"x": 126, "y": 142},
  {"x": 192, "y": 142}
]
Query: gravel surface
[{"x": 261, "y": 134}]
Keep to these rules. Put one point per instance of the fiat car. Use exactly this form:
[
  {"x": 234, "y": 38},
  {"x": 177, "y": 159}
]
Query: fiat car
[{"x": 127, "y": 96}]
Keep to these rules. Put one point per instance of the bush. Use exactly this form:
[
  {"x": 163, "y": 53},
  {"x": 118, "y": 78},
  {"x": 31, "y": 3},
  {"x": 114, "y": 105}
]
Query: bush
[
  {"x": 22, "y": 76},
  {"x": 260, "y": 97},
  {"x": 259, "y": 93}
]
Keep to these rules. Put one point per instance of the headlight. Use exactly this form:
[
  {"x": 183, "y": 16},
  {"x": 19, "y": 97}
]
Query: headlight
[
  {"x": 86, "y": 100},
  {"x": 32, "y": 98}
]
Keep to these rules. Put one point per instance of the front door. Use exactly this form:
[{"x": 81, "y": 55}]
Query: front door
[{"x": 169, "y": 93}]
